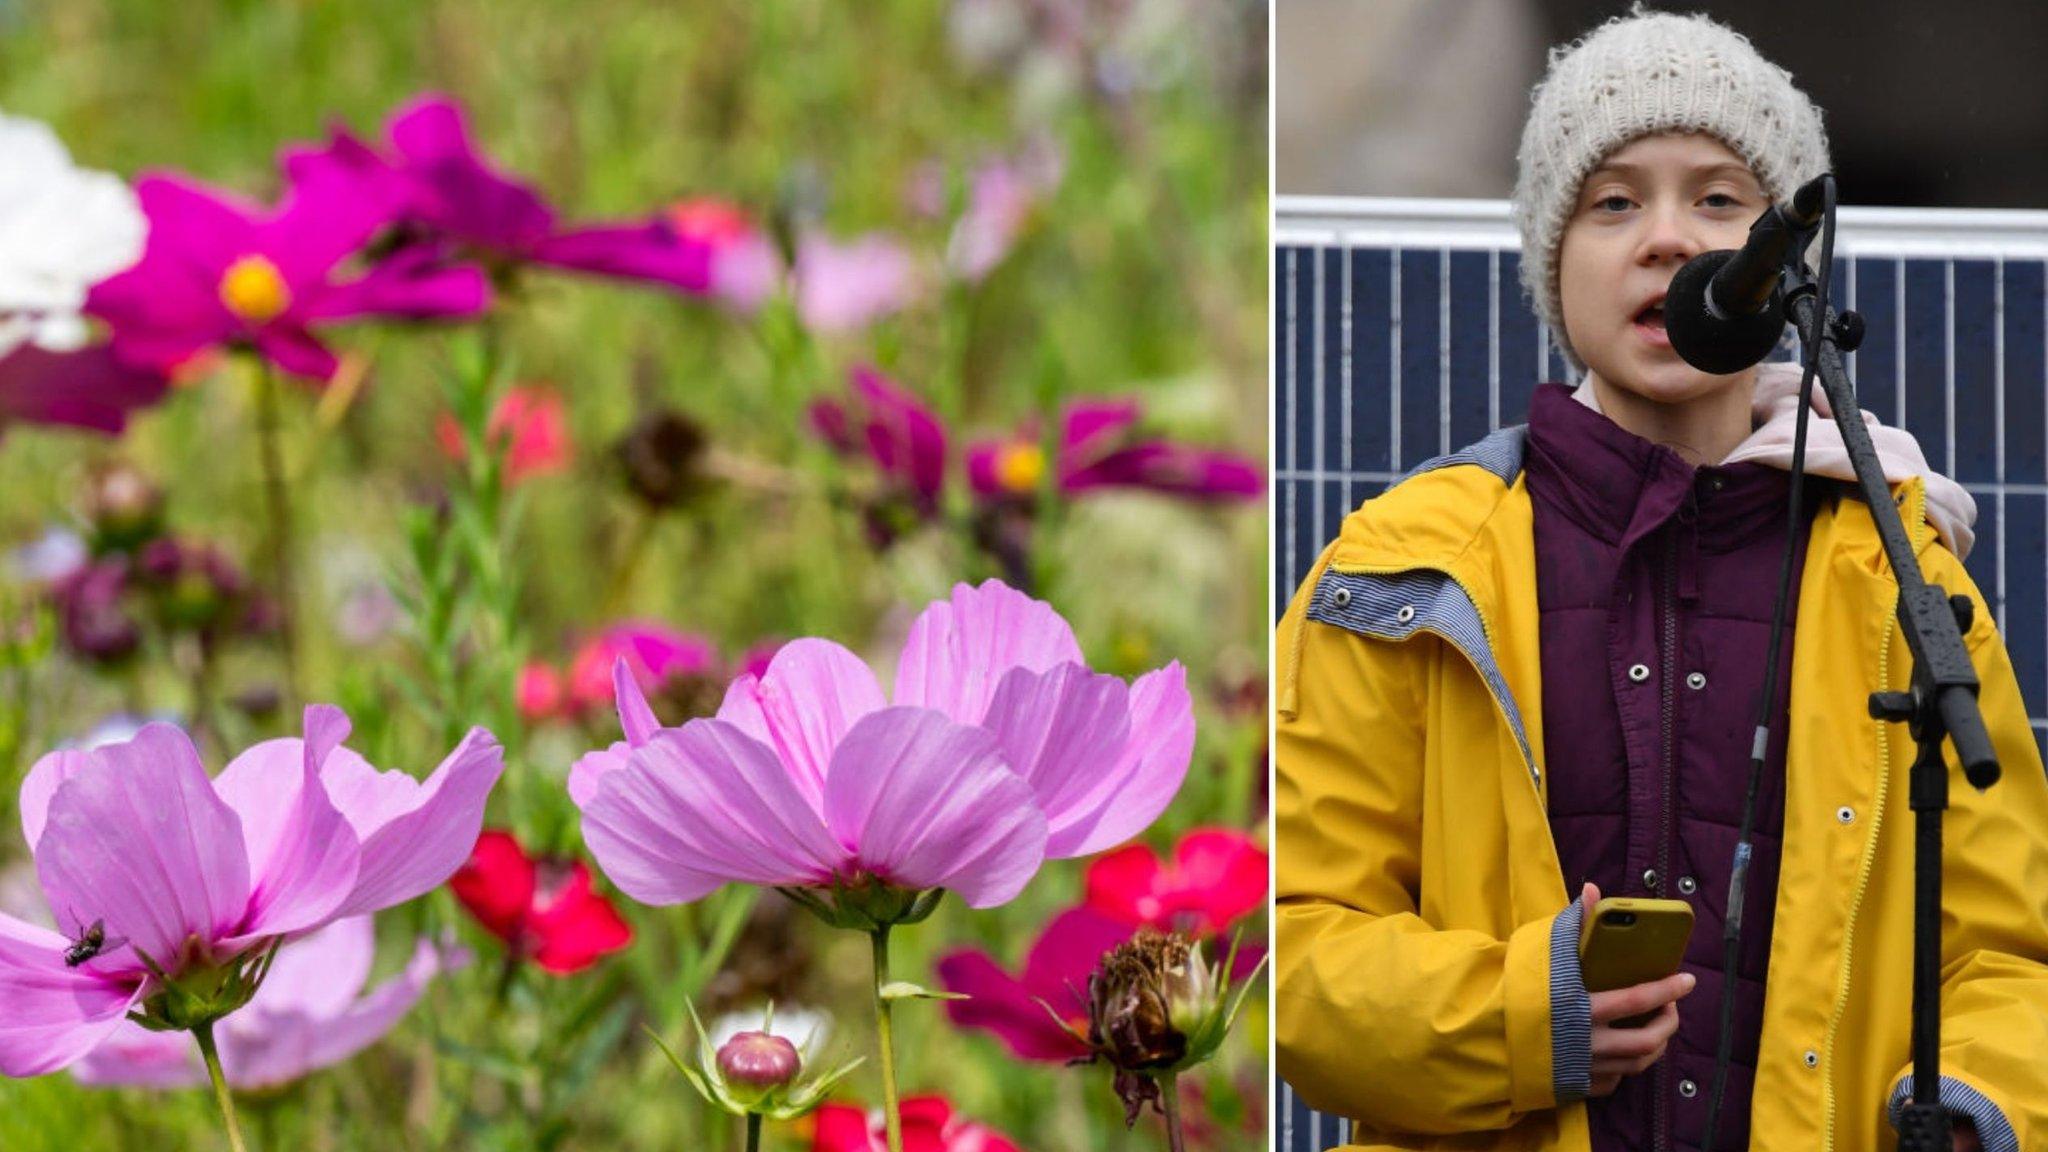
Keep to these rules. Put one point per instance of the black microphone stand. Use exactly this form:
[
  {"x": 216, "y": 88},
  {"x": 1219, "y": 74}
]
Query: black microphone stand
[{"x": 1941, "y": 704}]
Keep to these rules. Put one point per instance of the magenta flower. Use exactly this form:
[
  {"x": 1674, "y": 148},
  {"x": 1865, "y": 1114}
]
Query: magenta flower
[
  {"x": 86, "y": 388},
  {"x": 1097, "y": 452},
  {"x": 218, "y": 271},
  {"x": 309, "y": 1014},
  {"x": 844, "y": 287},
  {"x": 1001, "y": 749},
  {"x": 441, "y": 190},
  {"x": 655, "y": 652},
  {"x": 888, "y": 425},
  {"x": 1055, "y": 971},
  {"x": 190, "y": 882}
]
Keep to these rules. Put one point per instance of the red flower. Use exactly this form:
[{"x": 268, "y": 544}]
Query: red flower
[
  {"x": 928, "y": 1126},
  {"x": 1217, "y": 876},
  {"x": 1055, "y": 971},
  {"x": 544, "y": 910},
  {"x": 530, "y": 425}
]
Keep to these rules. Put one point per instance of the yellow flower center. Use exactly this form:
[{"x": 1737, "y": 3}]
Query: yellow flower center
[
  {"x": 254, "y": 290},
  {"x": 1021, "y": 467}
]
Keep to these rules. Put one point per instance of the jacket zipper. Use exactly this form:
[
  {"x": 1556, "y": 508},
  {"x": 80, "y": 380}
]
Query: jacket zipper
[{"x": 1660, "y": 1119}]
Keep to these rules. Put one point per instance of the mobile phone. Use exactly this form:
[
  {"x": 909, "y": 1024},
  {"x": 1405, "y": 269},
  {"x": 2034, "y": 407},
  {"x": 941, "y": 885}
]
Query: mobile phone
[{"x": 1628, "y": 941}]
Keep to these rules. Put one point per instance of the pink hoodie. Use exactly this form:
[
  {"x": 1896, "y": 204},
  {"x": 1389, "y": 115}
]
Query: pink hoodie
[{"x": 1774, "y": 412}]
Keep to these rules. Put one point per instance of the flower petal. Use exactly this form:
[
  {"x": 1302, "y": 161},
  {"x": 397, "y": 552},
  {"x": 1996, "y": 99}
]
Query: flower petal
[
  {"x": 55, "y": 1014},
  {"x": 1063, "y": 731},
  {"x": 699, "y": 806},
  {"x": 958, "y": 649},
  {"x": 322, "y": 972},
  {"x": 414, "y": 833},
  {"x": 133, "y": 1056},
  {"x": 303, "y": 855},
  {"x": 139, "y": 840},
  {"x": 1154, "y": 762},
  {"x": 267, "y": 1046},
  {"x": 592, "y": 767},
  {"x": 578, "y": 926},
  {"x": 923, "y": 802},
  {"x": 41, "y": 784},
  {"x": 296, "y": 351},
  {"x": 1056, "y": 972},
  {"x": 1221, "y": 876},
  {"x": 636, "y": 719},
  {"x": 497, "y": 883},
  {"x": 813, "y": 693}
]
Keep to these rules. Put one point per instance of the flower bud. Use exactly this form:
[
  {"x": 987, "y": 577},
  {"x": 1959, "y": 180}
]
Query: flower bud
[
  {"x": 663, "y": 459},
  {"x": 758, "y": 1061},
  {"x": 125, "y": 508}
]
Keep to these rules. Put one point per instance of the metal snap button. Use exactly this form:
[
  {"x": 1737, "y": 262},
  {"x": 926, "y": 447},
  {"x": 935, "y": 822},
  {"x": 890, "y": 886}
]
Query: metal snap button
[
  {"x": 1649, "y": 877},
  {"x": 1406, "y": 613},
  {"x": 1812, "y": 1058},
  {"x": 1688, "y": 885},
  {"x": 1688, "y": 1089},
  {"x": 1639, "y": 672},
  {"x": 1696, "y": 680},
  {"x": 1845, "y": 814},
  {"x": 1342, "y": 597}
]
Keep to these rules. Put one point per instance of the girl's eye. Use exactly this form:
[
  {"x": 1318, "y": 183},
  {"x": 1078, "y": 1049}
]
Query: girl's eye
[
  {"x": 1613, "y": 204},
  {"x": 1720, "y": 200}
]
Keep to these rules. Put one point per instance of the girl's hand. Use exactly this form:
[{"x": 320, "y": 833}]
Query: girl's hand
[{"x": 1619, "y": 1052}]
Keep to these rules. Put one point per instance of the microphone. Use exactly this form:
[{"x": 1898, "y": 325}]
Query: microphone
[{"x": 1723, "y": 311}]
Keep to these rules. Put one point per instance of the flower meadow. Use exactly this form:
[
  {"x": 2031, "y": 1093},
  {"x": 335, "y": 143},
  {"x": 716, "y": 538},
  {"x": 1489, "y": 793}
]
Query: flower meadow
[{"x": 632, "y": 577}]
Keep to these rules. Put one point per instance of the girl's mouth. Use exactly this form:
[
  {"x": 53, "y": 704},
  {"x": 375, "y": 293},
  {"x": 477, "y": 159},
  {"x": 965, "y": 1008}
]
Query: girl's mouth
[{"x": 1649, "y": 324}]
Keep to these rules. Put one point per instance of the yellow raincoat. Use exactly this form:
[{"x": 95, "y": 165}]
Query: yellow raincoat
[{"x": 1418, "y": 882}]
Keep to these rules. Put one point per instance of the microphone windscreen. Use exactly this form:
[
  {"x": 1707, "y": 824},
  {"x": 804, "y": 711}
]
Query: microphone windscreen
[{"x": 1713, "y": 343}]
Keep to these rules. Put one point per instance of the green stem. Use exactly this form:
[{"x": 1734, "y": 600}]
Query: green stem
[
  {"x": 893, "y": 1121},
  {"x": 753, "y": 1132},
  {"x": 1169, "y": 1095},
  {"x": 204, "y": 1034},
  {"x": 277, "y": 505}
]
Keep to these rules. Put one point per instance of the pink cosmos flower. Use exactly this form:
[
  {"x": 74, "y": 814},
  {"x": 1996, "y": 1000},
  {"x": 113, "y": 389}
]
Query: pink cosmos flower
[
  {"x": 198, "y": 875},
  {"x": 309, "y": 1014},
  {"x": 1097, "y": 452},
  {"x": 745, "y": 269},
  {"x": 1001, "y": 749},
  {"x": 1217, "y": 876},
  {"x": 87, "y": 388},
  {"x": 886, "y": 423},
  {"x": 1055, "y": 971},
  {"x": 844, "y": 287},
  {"x": 929, "y": 1125},
  {"x": 441, "y": 190},
  {"x": 217, "y": 271},
  {"x": 654, "y": 652},
  {"x": 530, "y": 426},
  {"x": 1001, "y": 196}
]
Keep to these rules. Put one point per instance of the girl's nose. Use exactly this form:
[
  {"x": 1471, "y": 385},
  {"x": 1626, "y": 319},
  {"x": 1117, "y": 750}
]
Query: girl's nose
[{"x": 1668, "y": 236}]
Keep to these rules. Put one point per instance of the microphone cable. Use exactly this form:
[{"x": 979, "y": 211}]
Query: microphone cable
[{"x": 1731, "y": 927}]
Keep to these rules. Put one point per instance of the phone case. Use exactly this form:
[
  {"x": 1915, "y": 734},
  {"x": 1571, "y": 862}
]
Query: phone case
[{"x": 1629, "y": 941}]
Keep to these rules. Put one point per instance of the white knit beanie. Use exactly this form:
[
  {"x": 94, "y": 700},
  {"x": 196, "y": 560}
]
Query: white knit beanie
[{"x": 1636, "y": 75}]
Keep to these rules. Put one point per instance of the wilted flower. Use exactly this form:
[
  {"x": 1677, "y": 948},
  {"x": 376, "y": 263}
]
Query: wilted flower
[
  {"x": 309, "y": 1014},
  {"x": 440, "y": 191},
  {"x": 1155, "y": 1009},
  {"x": 530, "y": 426},
  {"x": 1002, "y": 749},
  {"x": 544, "y": 910},
  {"x": 1056, "y": 970},
  {"x": 218, "y": 271},
  {"x": 189, "y": 884},
  {"x": 844, "y": 287},
  {"x": 759, "y": 1071},
  {"x": 1096, "y": 451},
  {"x": 663, "y": 457},
  {"x": 62, "y": 229},
  {"x": 929, "y": 1125}
]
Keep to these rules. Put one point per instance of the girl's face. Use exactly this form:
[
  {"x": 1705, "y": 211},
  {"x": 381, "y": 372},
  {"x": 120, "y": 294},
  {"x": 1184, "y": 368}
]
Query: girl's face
[{"x": 1650, "y": 206}]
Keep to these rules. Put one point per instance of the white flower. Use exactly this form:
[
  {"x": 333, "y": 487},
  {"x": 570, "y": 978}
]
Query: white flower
[{"x": 62, "y": 230}]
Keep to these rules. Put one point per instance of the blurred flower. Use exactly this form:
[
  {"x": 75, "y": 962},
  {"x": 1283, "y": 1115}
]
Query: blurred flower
[
  {"x": 744, "y": 267},
  {"x": 85, "y": 388},
  {"x": 762, "y": 1072},
  {"x": 1096, "y": 452},
  {"x": 1019, "y": 1009},
  {"x": 530, "y": 425},
  {"x": 539, "y": 692},
  {"x": 123, "y": 505},
  {"x": 903, "y": 438},
  {"x": 1157, "y": 1008},
  {"x": 663, "y": 456},
  {"x": 441, "y": 191},
  {"x": 844, "y": 287},
  {"x": 309, "y": 1014},
  {"x": 218, "y": 271},
  {"x": 544, "y": 910},
  {"x": 192, "y": 882},
  {"x": 194, "y": 587},
  {"x": 1003, "y": 749},
  {"x": 62, "y": 229},
  {"x": 929, "y": 1125},
  {"x": 93, "y": 619},
  {"x": 655, "y": 653},
  {"x": 48, "y": 557},
  {"x": 1217, "y": 876},
  {"x": 1001, "y": 197}
]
